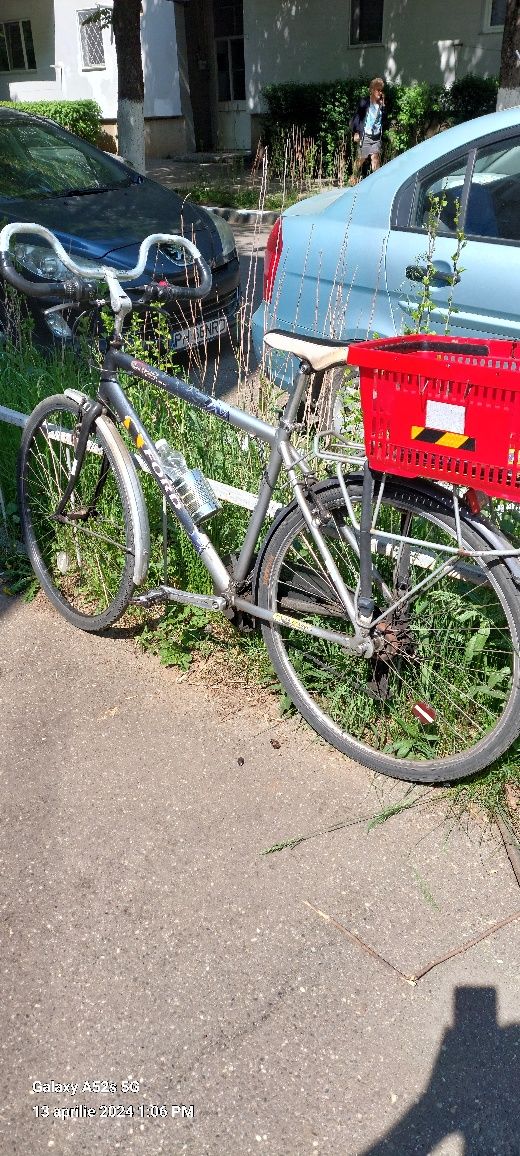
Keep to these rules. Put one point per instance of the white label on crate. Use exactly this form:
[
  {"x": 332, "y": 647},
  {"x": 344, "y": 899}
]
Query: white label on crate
[{"x": 440, "y": 415}]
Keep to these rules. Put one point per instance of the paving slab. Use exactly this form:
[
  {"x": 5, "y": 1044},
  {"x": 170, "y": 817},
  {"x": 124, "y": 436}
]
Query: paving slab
[
  {"x": 144, "y": 935},
  {"x": 188, "y": 173}
]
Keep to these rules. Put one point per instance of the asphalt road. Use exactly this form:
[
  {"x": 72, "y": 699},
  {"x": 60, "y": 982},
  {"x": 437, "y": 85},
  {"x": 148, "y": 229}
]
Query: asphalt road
[{"x": 153, "y": 958}]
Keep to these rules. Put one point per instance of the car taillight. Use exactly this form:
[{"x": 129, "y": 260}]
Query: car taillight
[{"x": 272, "y": 256}]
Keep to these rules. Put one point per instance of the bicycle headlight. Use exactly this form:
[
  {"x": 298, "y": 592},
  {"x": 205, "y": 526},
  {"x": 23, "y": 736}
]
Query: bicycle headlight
[{"x": 42, "y": 262}]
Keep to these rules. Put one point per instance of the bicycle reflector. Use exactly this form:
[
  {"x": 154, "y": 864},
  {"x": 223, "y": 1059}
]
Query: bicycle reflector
[
  {"x": 273, "y": 252},
  {"x": 424, "y": 712},
  {"x": 475, "y": 500}
]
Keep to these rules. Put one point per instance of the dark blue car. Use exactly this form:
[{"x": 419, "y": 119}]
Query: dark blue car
[{"x": 100, "y": 210}]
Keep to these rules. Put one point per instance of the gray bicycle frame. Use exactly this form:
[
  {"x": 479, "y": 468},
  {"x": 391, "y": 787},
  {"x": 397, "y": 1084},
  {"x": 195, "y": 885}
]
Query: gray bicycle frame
[{"x": 283, "y": 455}]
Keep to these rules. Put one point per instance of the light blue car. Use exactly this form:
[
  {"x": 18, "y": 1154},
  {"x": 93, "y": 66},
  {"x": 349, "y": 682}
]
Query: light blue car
[{"x": 348, "y": 263}]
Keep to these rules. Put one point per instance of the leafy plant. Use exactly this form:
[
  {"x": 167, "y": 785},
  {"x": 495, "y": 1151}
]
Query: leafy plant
[
  {"x": 471, "y": 96},
  {"x": 177, "y": 636},
  {"x": 321, "y": 113},
  {"x": 238, "y": 196},
  {"x": 421, "y": 309},
  {"x": 415, "y": 110},
  {"x": 82, "y": 117}
]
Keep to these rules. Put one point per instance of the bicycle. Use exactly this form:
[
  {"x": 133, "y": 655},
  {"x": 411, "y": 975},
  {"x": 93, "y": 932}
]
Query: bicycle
[{"x": 389, "y": 605}]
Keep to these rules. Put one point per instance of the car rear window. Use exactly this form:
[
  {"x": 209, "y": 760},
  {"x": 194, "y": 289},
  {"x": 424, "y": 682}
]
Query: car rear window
[
  {"x": 439, "y": 198},
  {"x": 36, "y": 160},
  {"x": 494, "y": 197}
]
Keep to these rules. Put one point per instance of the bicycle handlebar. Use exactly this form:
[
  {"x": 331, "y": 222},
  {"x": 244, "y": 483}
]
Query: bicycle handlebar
[
  {"x": 81, "y": 287},
  {"x": 74, "y": 290}
]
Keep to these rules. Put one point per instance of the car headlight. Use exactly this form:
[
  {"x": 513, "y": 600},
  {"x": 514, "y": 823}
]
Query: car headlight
[
  {"x": 42, "y": 262},
  {"x": 225, "y": 233}
]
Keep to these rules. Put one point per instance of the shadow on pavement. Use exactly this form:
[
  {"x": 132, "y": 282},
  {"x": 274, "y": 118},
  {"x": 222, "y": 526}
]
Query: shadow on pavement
[
  {"x": 474, "y": 1089},
  {"x": 7, "y": 603}
]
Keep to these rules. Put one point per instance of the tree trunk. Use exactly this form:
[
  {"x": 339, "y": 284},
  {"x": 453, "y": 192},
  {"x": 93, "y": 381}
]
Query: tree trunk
[
  {"x": 509, "y": 83},
  {"x": 126, "y": 22}
]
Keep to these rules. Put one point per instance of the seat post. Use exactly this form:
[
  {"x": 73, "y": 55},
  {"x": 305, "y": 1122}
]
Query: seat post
[{"x": 297, "y": 398}]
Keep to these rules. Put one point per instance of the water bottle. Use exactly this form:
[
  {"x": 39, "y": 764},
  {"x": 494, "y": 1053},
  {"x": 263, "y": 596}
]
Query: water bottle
[{"x": 192, "y": 487}]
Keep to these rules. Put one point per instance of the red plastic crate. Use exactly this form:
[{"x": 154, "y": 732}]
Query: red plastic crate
[{"x": 443, "y": 408}]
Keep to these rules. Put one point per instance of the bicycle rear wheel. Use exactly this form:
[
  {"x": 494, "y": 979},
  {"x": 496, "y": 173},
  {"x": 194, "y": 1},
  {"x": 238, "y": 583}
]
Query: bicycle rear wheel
[
  {"x": 440, "y": 698},
  {"x": 84, "y": 560}
]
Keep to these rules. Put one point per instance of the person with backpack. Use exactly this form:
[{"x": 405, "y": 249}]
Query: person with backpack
[{"x": 367, "y": 127}]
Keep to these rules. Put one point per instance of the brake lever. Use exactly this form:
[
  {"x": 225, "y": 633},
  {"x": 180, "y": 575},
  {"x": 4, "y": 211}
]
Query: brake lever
[{"x": 99, "y": 301}]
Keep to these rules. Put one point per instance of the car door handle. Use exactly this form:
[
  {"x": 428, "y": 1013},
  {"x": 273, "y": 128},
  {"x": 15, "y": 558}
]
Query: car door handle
[{"x": 419, "y": 272}]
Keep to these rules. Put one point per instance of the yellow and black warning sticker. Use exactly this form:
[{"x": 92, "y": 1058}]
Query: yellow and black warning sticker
[
  {"x": 129, "y": 425},
  {"x": 440, "y": 437}
]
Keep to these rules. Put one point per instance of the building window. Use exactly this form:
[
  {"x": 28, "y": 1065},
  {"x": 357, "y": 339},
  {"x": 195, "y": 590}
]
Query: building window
[
  {"x": 91, "y": 39},
  {"x": 16, "y": 46},
  {"x": 495, "y": 14},
  {"x": 228, "y": 24},
  {"x": 366, "y": 21}
]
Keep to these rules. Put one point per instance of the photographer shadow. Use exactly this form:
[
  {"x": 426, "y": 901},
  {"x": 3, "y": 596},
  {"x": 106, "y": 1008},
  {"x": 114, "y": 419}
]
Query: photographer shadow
[{"x": 474, "y": 1088}]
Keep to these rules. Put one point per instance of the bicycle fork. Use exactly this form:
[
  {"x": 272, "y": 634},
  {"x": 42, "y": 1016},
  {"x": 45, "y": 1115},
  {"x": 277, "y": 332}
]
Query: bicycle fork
[{"x": 88, "y": 414}]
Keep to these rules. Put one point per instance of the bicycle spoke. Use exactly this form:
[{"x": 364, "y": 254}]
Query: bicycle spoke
[
  {"x": 442, "y": 673},
  {"x": 85, "y": 557}
]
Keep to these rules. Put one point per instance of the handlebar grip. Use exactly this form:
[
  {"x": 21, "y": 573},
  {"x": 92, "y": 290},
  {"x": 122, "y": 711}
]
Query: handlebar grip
[
  {"x": 31, "y": 288},
  {"x": 74, "y": 290},
  {"x": 166, "y": 292}
]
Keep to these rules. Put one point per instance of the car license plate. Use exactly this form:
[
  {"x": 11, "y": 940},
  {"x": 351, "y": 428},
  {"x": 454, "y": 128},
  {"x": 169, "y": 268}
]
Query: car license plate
[{"x": 198, "y": 334}]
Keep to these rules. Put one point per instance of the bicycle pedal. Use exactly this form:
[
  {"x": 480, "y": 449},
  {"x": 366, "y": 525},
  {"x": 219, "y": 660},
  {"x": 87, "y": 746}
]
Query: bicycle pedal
[{"x": 149, "y": 598}]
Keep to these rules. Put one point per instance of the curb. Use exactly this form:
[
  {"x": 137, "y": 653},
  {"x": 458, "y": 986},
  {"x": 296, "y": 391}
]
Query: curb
[{"x": 244, "y": 216}]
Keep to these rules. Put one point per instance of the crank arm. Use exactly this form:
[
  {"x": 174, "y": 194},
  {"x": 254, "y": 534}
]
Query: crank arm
[{"x": 170, "y": 594}]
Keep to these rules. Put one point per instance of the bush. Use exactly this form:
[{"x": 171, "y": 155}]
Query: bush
[
  {"x": 319, "y": 114},
  {"x": 82, "y": 117},
  {"x": 416, "y": 112},
  {"x": 472, "y": 96},
  {"x": 423, "y": 109}
]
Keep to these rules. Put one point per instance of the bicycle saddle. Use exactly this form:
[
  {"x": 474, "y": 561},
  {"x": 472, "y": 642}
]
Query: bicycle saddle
[{"x": 321, "y": 353}]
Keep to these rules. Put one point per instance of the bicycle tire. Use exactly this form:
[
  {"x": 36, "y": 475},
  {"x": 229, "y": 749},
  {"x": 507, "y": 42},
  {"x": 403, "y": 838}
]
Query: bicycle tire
[
  {"x": 441, "y": 700},
  {"x": 85, "y": 566}
]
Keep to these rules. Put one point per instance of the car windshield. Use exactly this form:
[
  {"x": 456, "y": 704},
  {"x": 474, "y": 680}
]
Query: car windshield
[{"x": 37, "y": 160}]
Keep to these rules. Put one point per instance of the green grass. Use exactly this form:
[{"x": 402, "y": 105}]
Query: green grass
[
  {"x": 234, "y": 196},
  {"x": 27, "y": 375}
]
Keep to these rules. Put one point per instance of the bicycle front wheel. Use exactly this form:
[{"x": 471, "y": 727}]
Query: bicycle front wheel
[
  {"x": 440, "y": 698},
  {"x": 83, "y": 559}
]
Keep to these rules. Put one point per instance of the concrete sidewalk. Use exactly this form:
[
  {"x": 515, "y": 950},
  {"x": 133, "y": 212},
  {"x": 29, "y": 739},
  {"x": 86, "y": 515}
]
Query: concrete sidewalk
[
  {"x": 198, "y": 169},
  {"x": 189, "y": 172},
  {"x": 145, "y": 936}
]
